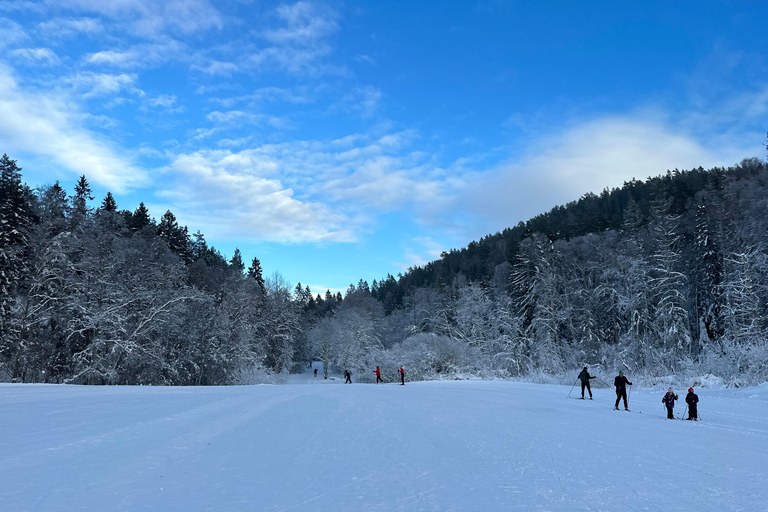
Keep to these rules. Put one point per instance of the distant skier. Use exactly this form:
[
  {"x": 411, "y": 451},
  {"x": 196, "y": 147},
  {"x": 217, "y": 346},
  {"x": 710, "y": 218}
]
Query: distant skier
[
  {"x": 621, "y": 389},
  {"x": 315, "y": 372},
  {"x": 584, "y": 377},
  {"x": 347, "y": 377},
  {"x": 402, "y": 376},
  {"x": 378, "y": 375},
  {"x": 669, "y": 401},
  {"x": 692, "y": 399}
]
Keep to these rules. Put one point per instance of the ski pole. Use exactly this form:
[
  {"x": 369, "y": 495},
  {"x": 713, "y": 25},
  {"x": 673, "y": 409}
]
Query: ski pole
[
  {"x": 574, "y": 385},
  {"x": 684, "y": 412}
]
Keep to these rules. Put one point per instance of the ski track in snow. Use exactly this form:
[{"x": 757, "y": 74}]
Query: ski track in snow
[{"x": 317, "y": 445}]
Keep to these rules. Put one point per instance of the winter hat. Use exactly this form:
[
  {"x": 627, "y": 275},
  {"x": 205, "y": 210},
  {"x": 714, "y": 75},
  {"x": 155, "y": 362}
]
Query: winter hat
[
  {"x": 621, "y": 372},
  {"x": 690, "y": 390},
  {"x": 585, "y": 367},
  {"x": 669, "y": 390}
]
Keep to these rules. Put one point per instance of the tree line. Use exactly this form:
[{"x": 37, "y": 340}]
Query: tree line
[{"x": 662, "y": 276}]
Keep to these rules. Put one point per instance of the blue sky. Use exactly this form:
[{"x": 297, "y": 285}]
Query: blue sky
[{"x": 345, "y": 140}]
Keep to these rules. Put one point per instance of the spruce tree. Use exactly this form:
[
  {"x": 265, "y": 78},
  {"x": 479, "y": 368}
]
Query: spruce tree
[
  {"x": 109, "y": 204},
  {"x": 236, "y": 263},
  {"x": 80, "y": 199},
  {"x": 140, "y": 218},
  {"x": 175, "y": 236},
  {"x": 255, "y": 272}
]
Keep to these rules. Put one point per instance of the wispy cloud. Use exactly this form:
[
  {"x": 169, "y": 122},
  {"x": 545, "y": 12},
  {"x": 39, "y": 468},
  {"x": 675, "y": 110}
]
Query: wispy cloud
[
  {"x": 139, "y": 56},
  {"x": 241, "y": 202},
  {"x": 63, "y": 28},
  {"x": 40, "y": 56},
  {"x": 300, "y": 43},
  {"x": 305, "y": 23},
  {"x": 152, "y": 18},
  {"x": 51, "y": 125},
  {"x": 266, "y": 94},
  {"x": 217, "y": 68},
  {"x": 94, "y": 85},
  {"x": 11, "y": 33}
]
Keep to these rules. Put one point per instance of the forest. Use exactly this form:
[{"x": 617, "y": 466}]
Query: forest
[{"x": 660, "y": 277}]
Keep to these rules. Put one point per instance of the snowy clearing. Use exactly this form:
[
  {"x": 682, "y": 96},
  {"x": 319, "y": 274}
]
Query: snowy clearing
[{"x": 321, "y": 445}]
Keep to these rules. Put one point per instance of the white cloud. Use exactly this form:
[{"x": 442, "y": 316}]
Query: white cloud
[
  {"x": 305, "y": 23},
  {"x": 300, "y": 45},
  {"x": 587, "y": 157},
  {"x": 363, "y": 100},
  {"x": 11, "y": 33},
  {"x": 44, "y": 56},
  {"x": 51, "y": 126},
  {"x": 70, "y": 27},
  {"x": 94, "y": 85},
  {"x": 265, "y": 94},
  {"x": 240, "y": 202},
  {"x": 216, "y": 67},
  {"x": 151, "y": 17},
  {"x": 139, "y": 56}
]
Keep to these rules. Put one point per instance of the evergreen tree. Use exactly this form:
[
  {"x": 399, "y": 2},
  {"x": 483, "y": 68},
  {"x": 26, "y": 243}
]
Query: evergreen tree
[
  {"x": 140, "y": 218},
  {"x": 255, "y": 272},
  {"x": 175, "y": 236},
  {"x": 237, "y": 262},
  {"x": 109, "y": 204},
  {"x": 80, "y": 199},
  {"x": 710, "y": 265}
]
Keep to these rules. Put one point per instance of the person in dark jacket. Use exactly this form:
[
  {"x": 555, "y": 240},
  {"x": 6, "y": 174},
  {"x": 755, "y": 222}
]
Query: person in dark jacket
[
  {"x": 402, "y": 376},
  {"x": 620, "y": 382},
  {"x": 347, "y": 377},
  {"x": 669, "y": 401},
  {"x": 584, "y": 377},
  {"x": 315, "y": 372},
  {"x": 378, "y": 375},
  {"x": 692, "y": 399}
]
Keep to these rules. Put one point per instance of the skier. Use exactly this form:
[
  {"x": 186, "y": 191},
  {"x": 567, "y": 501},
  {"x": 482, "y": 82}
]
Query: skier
[
  {"x": 402, "y": 376},
  {"x": 347, "y": 377},
  {"x": 378, "y": 375},
  {"x": 315, "y": 372},
  {"x": 621, "y": 389},
  {"x": 669, "y": 401},
  {"x": 692, "y": 400},
  {"x": 584, "y": 377}
]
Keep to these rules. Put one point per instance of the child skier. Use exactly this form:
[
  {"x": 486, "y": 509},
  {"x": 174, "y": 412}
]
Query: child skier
[
  {"x": 378, "y": 375},
  {"x": 584, "y": 377},
  {"x": 669, "y": 401},
  {"x": 692, "y": 399},
  {"x": 621, "y": 389}
]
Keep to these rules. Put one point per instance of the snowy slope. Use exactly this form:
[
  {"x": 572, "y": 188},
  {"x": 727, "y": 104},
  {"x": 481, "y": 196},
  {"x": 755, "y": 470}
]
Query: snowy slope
[{"x": 321, "y": 445}]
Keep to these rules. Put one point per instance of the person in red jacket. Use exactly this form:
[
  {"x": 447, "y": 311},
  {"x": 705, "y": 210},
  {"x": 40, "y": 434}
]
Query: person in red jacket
[
  {"x": 402, "y": 376},
  {"x": 378, "y": 375}
]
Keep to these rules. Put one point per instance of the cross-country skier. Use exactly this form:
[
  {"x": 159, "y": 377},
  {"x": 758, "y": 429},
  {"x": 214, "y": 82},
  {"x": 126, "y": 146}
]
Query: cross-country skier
[
  {"x": 669, "y": 401},
  {"x": 692, "y": 399},
  {"x": 378, "y": 375},
  {"x": 621, "y": 389},
  {"x": 402, "y": 376},
  {"x": 347, "y": 377},
  {"x": 315, "y": 372},
  {"x": 584, "y": 377}
]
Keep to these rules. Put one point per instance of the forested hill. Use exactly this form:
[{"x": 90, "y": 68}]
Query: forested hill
[{"x": 591, "y": 213}]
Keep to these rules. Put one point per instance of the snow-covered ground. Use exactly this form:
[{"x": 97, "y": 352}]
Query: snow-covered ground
[{"x": 321, "y": 445}]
